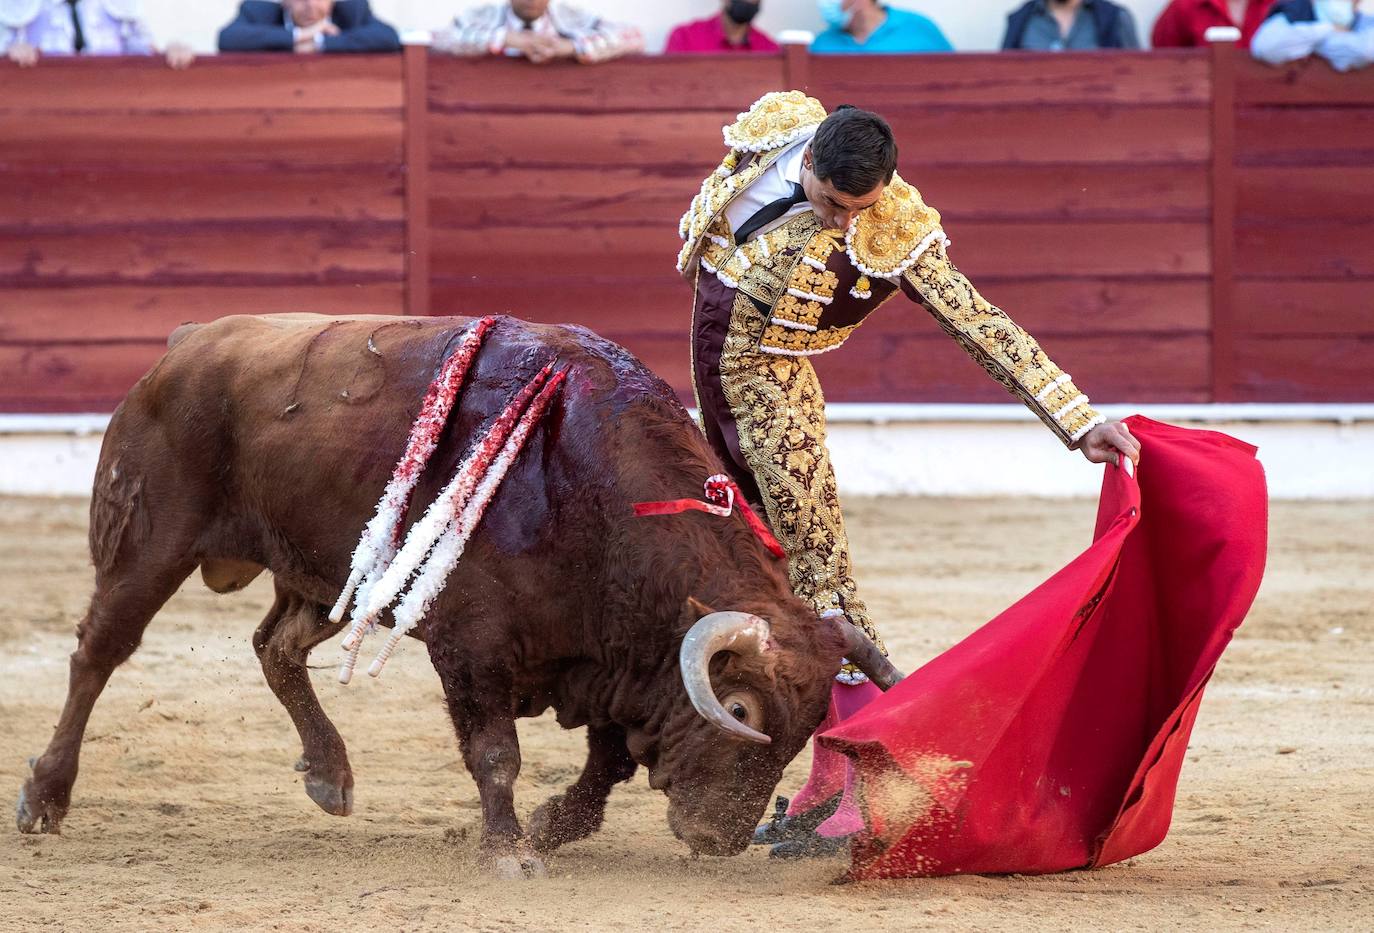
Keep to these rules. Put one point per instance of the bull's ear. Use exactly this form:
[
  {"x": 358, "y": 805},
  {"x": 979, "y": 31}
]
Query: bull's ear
[{"x": 698, "y": 608}]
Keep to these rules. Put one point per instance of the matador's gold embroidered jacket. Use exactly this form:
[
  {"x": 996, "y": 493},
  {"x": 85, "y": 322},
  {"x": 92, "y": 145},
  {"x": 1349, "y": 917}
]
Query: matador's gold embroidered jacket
[{"x": 816, "y": 286}]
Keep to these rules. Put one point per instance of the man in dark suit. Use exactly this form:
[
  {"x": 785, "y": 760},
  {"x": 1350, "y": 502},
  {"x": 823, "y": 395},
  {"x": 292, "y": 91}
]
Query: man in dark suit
[{"x": 307, "y": 27}]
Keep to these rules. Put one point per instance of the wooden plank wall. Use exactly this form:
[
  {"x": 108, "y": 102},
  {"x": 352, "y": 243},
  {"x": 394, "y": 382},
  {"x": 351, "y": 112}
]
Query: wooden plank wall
[
  {"x": 1304, "y": 234},
  {"x": 1079, "y": 192},
  {"x": 1075, "y": 193},
  {"x": 135, "y": 198},
  {"x": 556, "y": 191}
]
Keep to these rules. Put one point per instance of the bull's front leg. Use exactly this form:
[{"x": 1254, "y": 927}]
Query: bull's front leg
[
  {"x": 482, "y": 710},
  {"x": 577, "y": 812}
]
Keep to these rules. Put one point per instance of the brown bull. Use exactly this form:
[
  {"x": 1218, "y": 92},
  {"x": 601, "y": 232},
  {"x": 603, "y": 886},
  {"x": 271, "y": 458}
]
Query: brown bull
[{"x": 264, "y": 442}]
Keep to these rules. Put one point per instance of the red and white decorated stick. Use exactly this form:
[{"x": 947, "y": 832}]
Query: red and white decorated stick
[
  {"x": 378, "y": 543},
  {"x": 381, "y": 592},
  {"x": 430, "y": 579}
]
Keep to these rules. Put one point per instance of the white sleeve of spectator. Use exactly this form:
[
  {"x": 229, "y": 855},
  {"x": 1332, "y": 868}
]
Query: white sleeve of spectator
[
  {"x": 477, "y": 32},
  {"x": 596, "y": 39},
  {"x": 1279, "y": 41},
  {"x": 1347, "y": 51},
  {"x": 607, "y": 41}
]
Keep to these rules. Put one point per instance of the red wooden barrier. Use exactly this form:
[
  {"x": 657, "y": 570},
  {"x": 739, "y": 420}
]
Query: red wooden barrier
[
  {"x": 135, "y": 198},
  {"x": 1304, "y": 234},
  {"x": 1174, "y": 226}
]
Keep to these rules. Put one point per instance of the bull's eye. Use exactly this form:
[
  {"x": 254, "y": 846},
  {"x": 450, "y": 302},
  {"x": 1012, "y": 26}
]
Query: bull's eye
[{"x": 745, "y": 707}]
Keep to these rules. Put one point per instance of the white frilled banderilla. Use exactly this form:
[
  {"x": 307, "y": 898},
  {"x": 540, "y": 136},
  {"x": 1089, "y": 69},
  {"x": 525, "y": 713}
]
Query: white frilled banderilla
[
  {"x": 382, "y": 536},
  {"x": 436, "y": 542}
]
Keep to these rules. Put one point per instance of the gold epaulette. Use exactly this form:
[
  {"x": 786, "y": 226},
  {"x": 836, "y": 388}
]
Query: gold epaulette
[
  {"x": 776, "y": 119},
  {"x": 891, "y": 235}
]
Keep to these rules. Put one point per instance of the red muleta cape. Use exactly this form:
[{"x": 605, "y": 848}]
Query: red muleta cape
[{"x": 1052, "y": 737}]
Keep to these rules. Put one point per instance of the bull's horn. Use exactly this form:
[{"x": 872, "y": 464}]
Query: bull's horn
[
  {"x": 864, "y": 654},
  {"x": 738, "y": 632}
]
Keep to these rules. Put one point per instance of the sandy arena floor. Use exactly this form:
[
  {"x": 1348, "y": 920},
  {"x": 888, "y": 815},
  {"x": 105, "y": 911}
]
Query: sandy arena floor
[{"x": 188, "y": 815}]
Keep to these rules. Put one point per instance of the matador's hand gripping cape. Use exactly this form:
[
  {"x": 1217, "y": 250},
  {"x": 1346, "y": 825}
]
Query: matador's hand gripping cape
[{"x": 816, "y": 286}]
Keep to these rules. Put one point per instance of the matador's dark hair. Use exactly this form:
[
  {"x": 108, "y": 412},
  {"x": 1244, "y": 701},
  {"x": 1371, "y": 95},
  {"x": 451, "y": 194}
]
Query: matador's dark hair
[{"x": 854, "y": 150}]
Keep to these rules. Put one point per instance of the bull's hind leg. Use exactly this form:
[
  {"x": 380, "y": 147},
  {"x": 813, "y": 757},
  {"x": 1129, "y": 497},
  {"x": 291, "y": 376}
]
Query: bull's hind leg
[
  {"x": 127, "y": 596},
  {"x": 283, "y": 641},
  {"x": 480, "y": 701},
  {"x": 577, "y": 812}
]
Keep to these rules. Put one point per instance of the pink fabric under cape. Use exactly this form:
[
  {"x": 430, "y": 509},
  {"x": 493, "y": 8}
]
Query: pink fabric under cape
[{"x": 1052, "y": 737}]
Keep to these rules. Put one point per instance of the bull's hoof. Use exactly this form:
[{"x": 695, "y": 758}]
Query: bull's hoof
[
  {"x": 555, "y": 823},
  {"x": 32, "y": 815},
  {"x": 518, "y": 867},
  {"x": 333, "y": 797}
]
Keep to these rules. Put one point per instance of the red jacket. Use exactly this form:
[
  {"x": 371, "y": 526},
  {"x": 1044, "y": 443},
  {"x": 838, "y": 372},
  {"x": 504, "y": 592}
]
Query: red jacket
[{"x": 1184, "y": 22}]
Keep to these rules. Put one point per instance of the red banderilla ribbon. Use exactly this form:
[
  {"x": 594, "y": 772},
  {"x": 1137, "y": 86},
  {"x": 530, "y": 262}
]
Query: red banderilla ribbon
[{"x": 722, "y": 495}]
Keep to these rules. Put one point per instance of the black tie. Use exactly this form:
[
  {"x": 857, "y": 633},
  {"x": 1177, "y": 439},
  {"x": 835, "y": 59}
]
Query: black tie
[
  {"x": 770, "y": 212},
  {"x": 79, "y": 40}
]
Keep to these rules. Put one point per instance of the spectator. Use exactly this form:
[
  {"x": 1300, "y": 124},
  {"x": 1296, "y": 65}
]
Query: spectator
[
  {"x": 307, "y": 27},
  {"x": 539, "y": 31},
  {"x": 1056, "y": 25},
  {"x": 1334, "y": 29},
  {"x": 727, "y": 31},
  {"x": 869, "y": 26},
  {"x": 1184, "y": 23},
  {"x": 29, "y": 28}
]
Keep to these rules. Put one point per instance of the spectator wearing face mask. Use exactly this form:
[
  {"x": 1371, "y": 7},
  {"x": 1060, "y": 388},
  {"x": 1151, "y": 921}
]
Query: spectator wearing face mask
[
  {"x": 1057, "y": 25},
  {"x": 857, "y": 26},
  {"x": 1336, "y": 30},
  {"x": 1184, "y": 23},
  {"x": 730, "y": 30}
]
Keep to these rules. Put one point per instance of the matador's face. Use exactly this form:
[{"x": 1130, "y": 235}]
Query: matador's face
[{"x": 834, "y": 208}]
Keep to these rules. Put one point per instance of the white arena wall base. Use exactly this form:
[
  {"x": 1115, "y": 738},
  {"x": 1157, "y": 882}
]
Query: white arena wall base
[{"x": 1308, "y": 451}]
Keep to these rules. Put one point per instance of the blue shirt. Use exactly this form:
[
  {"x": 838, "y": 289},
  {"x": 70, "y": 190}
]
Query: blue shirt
[{"x": 903, "y": 31}]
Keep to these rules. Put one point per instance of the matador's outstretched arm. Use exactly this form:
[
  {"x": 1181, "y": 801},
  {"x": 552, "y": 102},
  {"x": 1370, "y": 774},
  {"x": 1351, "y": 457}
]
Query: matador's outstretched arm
[{"x": 1008, "y": 353}]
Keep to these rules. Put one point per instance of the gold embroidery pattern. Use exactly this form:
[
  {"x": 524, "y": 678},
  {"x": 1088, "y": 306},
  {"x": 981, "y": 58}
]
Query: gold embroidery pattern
[
  {"x": 780, "y": 414},
  {"x": 775, "y": 119},
  {"x": 785, "y": 341},
  {"x": 728, "y": 262},
  {"x": 819, "y": 282},
  {"x": 794, "y": 329},
  {"x": 887, "y": 239},
  {"x": 1008, "y": 353},
  {"x": 799, "y": 311},
  {"x": 820, "y": 246},
  {"x": 717, "y": 190}
]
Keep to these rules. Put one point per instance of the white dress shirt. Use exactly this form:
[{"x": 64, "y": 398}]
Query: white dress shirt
[{"x": 771, "y": 185}]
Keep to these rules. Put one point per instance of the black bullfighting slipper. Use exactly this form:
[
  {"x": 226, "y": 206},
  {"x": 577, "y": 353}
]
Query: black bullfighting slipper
[
  {"x": 799, "y": 827},
  {"x": 814, "y": 846}
]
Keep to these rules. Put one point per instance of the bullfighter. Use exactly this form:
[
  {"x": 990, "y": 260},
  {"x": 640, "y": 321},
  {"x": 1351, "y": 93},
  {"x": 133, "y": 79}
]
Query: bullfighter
[{"x": 804, "y": 230}]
